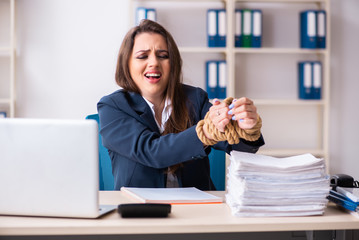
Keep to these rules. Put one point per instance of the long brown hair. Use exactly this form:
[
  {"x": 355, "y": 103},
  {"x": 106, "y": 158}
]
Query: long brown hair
[{"x": 179, "y": 119}]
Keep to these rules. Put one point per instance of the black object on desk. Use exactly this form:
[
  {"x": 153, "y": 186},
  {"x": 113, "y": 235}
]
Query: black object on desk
[{"x": 143, "y": 210}]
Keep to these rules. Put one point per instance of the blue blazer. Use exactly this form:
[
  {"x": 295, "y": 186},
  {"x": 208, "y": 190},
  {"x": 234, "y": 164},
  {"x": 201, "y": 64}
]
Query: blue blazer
[{"x": 140, "y": 155}]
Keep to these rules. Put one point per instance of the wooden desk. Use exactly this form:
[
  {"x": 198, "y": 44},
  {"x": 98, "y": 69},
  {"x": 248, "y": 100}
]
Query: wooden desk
[{"x": 184, "y": 219}]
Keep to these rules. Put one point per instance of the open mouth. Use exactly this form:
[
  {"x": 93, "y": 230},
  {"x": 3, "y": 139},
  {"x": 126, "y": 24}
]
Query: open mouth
[{"x": 153, "y": 77}]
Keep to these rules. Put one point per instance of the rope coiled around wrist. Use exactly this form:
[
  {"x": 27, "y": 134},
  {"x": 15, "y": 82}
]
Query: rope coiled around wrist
[{"x": 232, "y": 133}]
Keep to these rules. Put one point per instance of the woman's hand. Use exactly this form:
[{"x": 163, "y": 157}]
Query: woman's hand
[
  {"x": 218, "y": 114},
  {"x": 244, "y": 112}
]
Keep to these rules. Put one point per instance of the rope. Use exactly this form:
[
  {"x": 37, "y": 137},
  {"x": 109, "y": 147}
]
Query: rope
[{"x": 232, "y": 133}]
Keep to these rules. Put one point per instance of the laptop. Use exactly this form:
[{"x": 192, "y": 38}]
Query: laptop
[{"x": 50, "y": 167}]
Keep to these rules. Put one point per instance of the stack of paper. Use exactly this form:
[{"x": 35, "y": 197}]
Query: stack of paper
[{"x": 261, "y": 185}]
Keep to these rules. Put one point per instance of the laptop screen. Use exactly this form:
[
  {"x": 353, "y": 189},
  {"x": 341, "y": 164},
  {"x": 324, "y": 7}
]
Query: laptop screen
[{"x": 49, "y": 167}]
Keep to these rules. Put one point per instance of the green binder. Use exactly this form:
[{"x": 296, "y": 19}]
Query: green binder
[{"x": 247, "y": 27}]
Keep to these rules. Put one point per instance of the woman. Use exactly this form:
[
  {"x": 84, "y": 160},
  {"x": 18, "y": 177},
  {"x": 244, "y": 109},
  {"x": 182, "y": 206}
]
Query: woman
[{"x": 149, "y": 126}]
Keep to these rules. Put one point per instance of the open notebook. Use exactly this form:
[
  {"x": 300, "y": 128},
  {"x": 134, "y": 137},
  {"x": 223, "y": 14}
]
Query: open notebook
[
  {"x": 189, "y": 195},
  {"x": 50, "y": 168}
]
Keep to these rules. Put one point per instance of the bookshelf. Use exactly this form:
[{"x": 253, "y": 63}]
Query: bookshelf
[
  {"x": 7, "y": 57},
  {"x": 291, "y": 126}
]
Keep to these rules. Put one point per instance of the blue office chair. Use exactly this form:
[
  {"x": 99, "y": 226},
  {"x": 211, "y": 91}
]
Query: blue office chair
[
  {"x": 105, "y": 177},
  {"x": 216, "y": 158}
]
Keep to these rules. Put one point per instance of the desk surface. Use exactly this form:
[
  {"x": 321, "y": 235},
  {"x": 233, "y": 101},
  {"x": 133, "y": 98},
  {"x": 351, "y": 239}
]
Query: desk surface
[{"x": 198, "y": 218}]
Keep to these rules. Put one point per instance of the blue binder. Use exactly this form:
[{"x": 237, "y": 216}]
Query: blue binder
[
  {"x": 238, "y": 41},
  {"x": 321, "y": 28},
  {"x": 212, "y": 32},
  {"x": 221, "y": 28},
  {"x": 308, "y": 29},
  {"x": 151, "y": 14},
  {"x": 145, "y": 13},
  {"x": 305, "y": 80},
  {"x": 256, "y": 28},
  {"x": 2, "y": 114},
  {"x": 211, "y": 79},
  {"x": 317, "y": 80},
  {"x": 221, "y": 79},
  {"x": 341, "y": 200},
  {"x": 141, "y": 13}
]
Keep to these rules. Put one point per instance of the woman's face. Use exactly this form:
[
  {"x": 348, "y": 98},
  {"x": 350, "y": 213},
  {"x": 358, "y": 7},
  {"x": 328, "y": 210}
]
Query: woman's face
[{"x": 150, "y": 65}]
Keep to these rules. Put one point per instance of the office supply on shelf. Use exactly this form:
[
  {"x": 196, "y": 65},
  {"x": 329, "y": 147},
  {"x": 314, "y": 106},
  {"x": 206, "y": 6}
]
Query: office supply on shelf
[
  {"x": 261, "y": 185},
  {"x": 212, "y": 27},
  {"x": 350, "y": 193},
  {"x": 305, "y": 80},
  {"x": 343, "y": 201},
  {"x": 256, "y": 40},
  {"x": 308, "y": 29},
  {"x": 222, "y": 27},
  {"x": 145, "y": 13},
  {"x": 141, "y": 210},
  {"x": 222, "y": 79},
  {"x": 170, "y": 195},
  {"x": 238, "y": 41},
  {"x": 211, "y": 79},
  {"x": 216, "y": 79},
  {"x": 2, "y": 114},
  {"x": 317, "y": 80},
  {"x": 345, "y": 192},
  {"x": 310, "y": 80},
  {"x": 247, "y": 28},
  {"x": 49, "y": 167},
  {"x": 321, "y": 28},
  {"x": 216, "y": 27},
  {"x": 343, "y": 180}
]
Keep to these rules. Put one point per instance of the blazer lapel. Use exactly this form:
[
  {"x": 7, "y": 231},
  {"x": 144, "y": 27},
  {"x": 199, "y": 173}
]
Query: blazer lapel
[{"x": 143, "y": 110}]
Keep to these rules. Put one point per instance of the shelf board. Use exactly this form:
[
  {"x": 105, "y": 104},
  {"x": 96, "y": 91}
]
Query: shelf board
[
  {"x": 285, "y": 1},
  {"x": 290, "y": 152},
  {"x": 5, "y": 100},
  {"x": 4, "y": 51},
  {"x": 291, "y": 102},
  {"x": 202, "y": 50},
  {"x": 252, "y": 50},
  {"x": 280, "y": 50}
]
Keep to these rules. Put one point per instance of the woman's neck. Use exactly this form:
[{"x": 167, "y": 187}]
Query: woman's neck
[{"x": 158, "y": 105}]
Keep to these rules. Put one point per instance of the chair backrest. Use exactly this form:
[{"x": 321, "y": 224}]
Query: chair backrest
[
  {"x": 105, "y": 177},
  {"x": 217, "y": 162}
]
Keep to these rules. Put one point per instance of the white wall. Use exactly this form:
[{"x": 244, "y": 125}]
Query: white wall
[
  {"x": 67, "y": 52},
  {"x": 345, "y": 87}
]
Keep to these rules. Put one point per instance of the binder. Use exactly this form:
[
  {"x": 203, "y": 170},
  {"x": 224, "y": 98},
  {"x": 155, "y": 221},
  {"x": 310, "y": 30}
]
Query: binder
[
  {"x": 140, "y": 14},
  {"x": 256, "y": 28},
  {"x": 151, "y": 14},
  {"x": 321, "y": 28},
  {"x": 211, "y": 79},
  {"x": 341, "y": 200},
  {"x": 222, "y": 27},
  {"x": 238, "y": 42},
  {"x": 145, "y": 13},
  {"x": 305, "y": 80},
  {"x": 317, "y": 80},
  {"x": 308, "y": 29},
  {"x": 211, "y": 27},
  {"x": 247, "y": 27},
  {"x": 2, "y": 114},
  {"x": 222, "y": 80}
]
